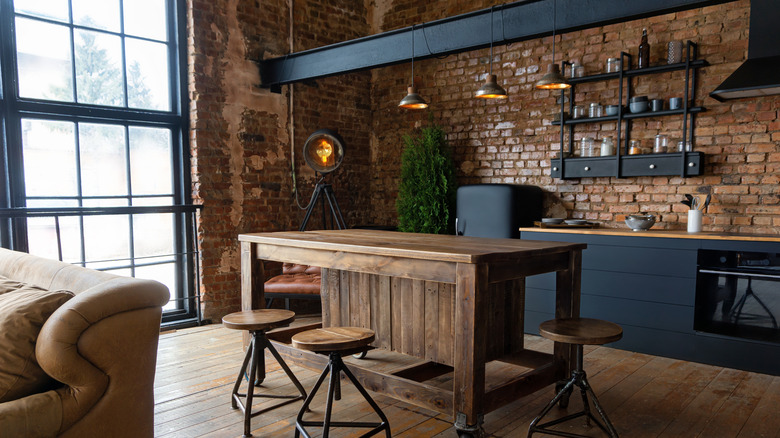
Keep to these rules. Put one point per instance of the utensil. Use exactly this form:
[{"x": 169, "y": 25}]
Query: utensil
[{"x": 707, "y": 201}]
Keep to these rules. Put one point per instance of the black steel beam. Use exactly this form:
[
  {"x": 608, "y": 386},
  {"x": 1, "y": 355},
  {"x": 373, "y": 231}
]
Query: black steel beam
[{"x": 512, "y": 22}]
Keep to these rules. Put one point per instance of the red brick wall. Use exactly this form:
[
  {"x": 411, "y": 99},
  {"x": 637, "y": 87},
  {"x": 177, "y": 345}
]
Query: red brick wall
[
  {"x": 512, "y": 141},
  {"x": 240, "y": 132}
]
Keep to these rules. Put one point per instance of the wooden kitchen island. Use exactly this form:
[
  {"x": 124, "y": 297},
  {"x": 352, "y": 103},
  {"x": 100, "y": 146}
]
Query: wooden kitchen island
[{"x": 455, "y": 304}]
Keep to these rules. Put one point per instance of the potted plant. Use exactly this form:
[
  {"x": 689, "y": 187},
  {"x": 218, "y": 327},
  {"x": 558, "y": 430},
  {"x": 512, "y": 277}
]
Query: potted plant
[{"x": 426, "y": 195}]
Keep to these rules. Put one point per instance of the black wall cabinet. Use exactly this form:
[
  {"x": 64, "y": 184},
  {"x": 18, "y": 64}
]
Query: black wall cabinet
[{"x": 621, "y": 164}]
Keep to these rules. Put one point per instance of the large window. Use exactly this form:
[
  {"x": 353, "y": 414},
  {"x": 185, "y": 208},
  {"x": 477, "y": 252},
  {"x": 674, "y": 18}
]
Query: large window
[{"x": 94, "y": 136}]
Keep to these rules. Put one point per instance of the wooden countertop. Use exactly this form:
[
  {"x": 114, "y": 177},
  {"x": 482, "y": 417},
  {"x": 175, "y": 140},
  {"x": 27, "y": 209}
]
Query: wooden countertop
[
  {"x": 673, "y": 234},
  {"x": 460, "y": 249}
]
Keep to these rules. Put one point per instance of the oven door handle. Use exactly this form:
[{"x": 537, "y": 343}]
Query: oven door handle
[{"x": 740, "y": 274}]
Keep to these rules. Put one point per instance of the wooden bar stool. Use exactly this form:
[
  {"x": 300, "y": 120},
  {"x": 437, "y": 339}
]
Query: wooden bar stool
[
  {"x": 577, "y": 331},
  {"x": 258, "y": 322},
  {"x": 335, "y": 342}
]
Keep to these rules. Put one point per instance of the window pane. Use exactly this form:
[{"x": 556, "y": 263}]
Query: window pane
[
  {"x": 147, "y": 75},
  {"x": 43, "y": 60},
  {"x": 99, "y": 68},
  {"x": 103, "y": 160},
  {"x": 98, "y": 14},
  {"x": 165, "y": 274},
  {"x": 107, "y": 238},
  {"x": 42, "y": 232},
  {"x": 49, "y": 150},
  {"x": 153, "y": 234},
  {"x": 151, "y": 161},
  {"x": 53, "y": 9},
  {"x": 146, "y": 18}
]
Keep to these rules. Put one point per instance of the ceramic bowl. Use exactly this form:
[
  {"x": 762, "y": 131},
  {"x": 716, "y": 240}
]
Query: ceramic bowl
[
  {"x": 638, "y": 107},
  {"x": 640, "y": 222},
  {"x": 611, "y": 110}
]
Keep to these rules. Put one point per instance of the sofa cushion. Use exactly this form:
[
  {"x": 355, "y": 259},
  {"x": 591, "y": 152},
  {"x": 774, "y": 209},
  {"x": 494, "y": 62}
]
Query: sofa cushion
[
  {"x": 23, "y": 312},
  {"x": 8, "y": 285}
]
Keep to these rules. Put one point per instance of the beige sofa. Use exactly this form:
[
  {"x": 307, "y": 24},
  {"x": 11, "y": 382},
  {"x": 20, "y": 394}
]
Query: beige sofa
[{"x": 98, "y": 351}]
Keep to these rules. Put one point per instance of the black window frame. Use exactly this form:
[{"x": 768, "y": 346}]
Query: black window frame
[{"x": 13, "y": 108}]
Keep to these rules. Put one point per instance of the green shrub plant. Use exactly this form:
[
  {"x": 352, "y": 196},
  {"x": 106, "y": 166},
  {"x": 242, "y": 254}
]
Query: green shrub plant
[{"x": 426, "y": 195}]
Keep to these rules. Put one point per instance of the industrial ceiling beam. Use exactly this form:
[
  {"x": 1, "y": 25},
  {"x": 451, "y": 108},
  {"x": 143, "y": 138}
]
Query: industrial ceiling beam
[{"x": 512, "y": 22}]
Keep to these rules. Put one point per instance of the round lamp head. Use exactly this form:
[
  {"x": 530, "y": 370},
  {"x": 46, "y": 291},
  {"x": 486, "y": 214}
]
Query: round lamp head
[
  {"x": 553, "y": 80},
  {"x": 324, "y": 151},
  {"x": 491, "y": 90},
  {"x": 413, "y": 100}
]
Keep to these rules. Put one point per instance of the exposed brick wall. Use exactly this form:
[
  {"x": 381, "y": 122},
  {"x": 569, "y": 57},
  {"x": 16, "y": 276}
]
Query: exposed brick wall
[
  {"x": 240, "y": 132},
  {"x": 512, "y": 141}
]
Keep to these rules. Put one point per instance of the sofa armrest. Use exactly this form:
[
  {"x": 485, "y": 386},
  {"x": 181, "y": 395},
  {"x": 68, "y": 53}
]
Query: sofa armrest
[
  {"x": 94, "y": 340},
  {"x": 34, "y": 416}
]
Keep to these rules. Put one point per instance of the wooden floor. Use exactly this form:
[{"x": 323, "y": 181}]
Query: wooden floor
[{"x": 644, "y": 396}]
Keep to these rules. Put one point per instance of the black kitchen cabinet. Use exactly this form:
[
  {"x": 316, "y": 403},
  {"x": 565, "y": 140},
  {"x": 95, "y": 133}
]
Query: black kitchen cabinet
[{"x": 648, "y": 286}]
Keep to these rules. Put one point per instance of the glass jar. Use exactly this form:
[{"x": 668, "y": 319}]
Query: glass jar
[
  {"x": 578, "y": 112},
  {"x": 607, "y": 147},
  {"x": 659, "y": 147},
  {"x": 595, "y": 110},
  {"x": 684, "y": 145},
  {"x": 577, "y": 70},
  {"x": 613, "y": 65},
  {"x": 635, "y": 147},
  {"x": 587, "y": 147}
]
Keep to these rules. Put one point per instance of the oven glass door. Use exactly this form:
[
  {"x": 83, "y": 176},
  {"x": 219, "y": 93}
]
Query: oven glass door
[{"x": 738, "y": 303}]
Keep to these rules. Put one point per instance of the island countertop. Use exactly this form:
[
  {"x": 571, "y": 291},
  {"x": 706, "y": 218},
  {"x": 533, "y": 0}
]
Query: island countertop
[{"x": 669, "y": 234}]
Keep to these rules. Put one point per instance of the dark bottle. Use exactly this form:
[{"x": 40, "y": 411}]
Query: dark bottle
[{"x": 644, "y": 51}]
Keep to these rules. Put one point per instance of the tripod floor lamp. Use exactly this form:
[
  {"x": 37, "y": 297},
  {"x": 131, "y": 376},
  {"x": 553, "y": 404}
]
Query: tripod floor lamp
[{"x": 324, "y": 152}]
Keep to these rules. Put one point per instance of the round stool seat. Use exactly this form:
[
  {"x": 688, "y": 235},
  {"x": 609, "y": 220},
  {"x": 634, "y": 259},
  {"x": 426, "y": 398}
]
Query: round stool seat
[
  {"x": 258, "y": 320},
  {"x": 331, "y": 339},
  {"x": 582, "y": 331}
]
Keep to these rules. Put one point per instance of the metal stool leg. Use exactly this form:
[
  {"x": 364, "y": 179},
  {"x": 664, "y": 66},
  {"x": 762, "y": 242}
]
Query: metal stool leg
[
  {"x": 580, "y": 380},
  {"x": 334, "y": 368},
  {"x": 255, "y": 359}
]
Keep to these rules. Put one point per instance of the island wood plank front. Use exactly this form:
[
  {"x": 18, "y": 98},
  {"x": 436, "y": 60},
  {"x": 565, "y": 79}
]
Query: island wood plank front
[{"x": 455, "y": 302}]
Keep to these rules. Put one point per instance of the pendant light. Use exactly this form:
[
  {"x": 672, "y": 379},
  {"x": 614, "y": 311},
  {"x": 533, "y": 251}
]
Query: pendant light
[
  {"x": 412, "y": 99},
  {"x": 553, "y": 80},
  {"x": 491, "y": 89}
]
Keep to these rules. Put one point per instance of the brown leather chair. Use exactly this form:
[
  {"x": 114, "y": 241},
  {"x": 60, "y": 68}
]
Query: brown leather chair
[{"x": 296, "y": 282}]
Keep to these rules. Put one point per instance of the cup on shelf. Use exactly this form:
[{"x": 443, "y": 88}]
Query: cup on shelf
[
  {"x": 657, "y": 105},
  {"x": 675, "y": 103}
]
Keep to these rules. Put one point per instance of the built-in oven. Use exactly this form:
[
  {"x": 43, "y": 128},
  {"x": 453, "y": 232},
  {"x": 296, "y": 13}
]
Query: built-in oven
[{"x": 738, "y": 294}]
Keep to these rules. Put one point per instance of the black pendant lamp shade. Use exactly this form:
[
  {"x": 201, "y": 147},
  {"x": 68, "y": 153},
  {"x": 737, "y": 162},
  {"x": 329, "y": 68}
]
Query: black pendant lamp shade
[
  {"x": 553, "y": 79},
  {"x": 412, "y": 99},
  {"x": 490, "y": 89}
]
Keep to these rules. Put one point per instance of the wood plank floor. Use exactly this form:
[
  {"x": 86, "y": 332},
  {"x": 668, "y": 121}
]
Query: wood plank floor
[{"x": 644, "y": 396}]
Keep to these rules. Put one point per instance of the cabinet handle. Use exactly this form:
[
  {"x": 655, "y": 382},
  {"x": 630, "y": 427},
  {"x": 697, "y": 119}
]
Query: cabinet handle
[
  {"x": 691, "y": 164},
  {"x": 587, "y": 168},
  {"x": 652, "y": 166},
  {"x": 555, "y": 169}
]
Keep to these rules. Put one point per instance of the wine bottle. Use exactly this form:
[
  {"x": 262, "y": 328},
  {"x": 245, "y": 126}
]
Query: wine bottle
[{"x": 644, "y": 51}]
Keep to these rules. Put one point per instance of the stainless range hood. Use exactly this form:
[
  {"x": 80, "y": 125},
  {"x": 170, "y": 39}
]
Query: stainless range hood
[{"x": 760, "y": 74}]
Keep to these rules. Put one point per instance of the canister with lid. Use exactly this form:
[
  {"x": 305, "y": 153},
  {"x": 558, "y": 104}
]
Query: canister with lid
[
  {"x": 587, "y": 149},
  {"x": 613, "y": 65},
  {"x": 595, "y": 110},
  {"x": 607, "y": 147}
]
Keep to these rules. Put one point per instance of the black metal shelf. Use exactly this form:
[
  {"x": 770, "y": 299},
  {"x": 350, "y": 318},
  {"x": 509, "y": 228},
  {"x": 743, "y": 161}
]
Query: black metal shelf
[
  {"x": 627, "y": 115},
  {"x": 621, "y": 164}
]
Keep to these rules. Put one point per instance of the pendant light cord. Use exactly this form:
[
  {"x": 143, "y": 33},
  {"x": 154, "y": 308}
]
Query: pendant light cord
[
  {"x": 491, "y": 40},
  {"x": 555, "y": 15},
  {"x": 412, "y": 84}
]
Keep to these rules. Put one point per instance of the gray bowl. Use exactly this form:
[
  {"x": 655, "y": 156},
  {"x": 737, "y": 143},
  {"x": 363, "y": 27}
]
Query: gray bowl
[
  {"x": 611, "y": 110},
  {"x": 638, "y": 107},
  {"x": 640, "y": 222}
]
